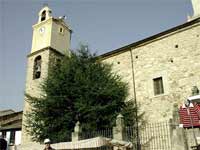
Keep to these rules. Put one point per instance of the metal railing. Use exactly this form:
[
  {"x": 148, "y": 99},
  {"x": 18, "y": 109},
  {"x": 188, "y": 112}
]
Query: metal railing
[
  {"x": 154, "y": 136},
  {"x": 104, "y": 133}
]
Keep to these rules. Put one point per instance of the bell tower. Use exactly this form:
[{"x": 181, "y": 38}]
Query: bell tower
[
  {"x": 50, "y": 32},
  {"x": 50, "y": 42}
]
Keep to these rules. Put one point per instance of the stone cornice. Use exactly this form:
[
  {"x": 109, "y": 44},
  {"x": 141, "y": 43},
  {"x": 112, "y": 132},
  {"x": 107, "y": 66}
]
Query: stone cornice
[{"x": 44, "y": 49}]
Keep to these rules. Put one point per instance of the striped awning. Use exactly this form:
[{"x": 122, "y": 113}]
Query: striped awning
[{"x": 194, "y": 111}]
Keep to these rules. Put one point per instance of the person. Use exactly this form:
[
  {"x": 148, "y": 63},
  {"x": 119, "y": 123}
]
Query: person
[
  {"x": 3, "y": 143},
  {"x": 47, "y": 143}
]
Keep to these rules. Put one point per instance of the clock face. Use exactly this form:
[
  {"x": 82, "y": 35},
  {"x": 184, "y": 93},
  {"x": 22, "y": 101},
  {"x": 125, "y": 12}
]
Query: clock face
[{"x": 41, "y": 30}]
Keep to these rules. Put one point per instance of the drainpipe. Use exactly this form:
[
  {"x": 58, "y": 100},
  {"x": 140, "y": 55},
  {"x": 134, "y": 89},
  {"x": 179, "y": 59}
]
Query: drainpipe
[{"x": 135, "y": 100}]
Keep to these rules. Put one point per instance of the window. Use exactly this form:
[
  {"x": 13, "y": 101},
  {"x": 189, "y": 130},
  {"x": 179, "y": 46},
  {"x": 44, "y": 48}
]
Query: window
[
  {"x": 12, "y": 137},
  {"x": 4, "y": 134},
  {"x": 37, "y": 67},
  {"x": 58, "y": 62},
  {"x": 158, "y": 86},
  {"x": 43, "y": 17},
  {"x": 61, "y": 30}
]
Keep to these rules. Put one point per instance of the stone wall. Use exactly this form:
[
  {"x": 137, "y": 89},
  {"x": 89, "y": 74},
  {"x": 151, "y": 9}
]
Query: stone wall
[
  {"x": 174, "y": 57},
  {"x": 33, "y": 86},
  {"x": 191, "y": 134}
]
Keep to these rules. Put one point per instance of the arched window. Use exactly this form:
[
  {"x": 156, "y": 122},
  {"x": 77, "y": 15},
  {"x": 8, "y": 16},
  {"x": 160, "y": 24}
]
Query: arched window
[
  {"x": 58, "y": 62},
  {"x": 37, "y": 67},
  {"x": 43, "y": 17}
]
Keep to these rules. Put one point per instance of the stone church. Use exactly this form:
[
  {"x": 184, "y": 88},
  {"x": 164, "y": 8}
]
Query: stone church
[{"x": 161, "y": 70}]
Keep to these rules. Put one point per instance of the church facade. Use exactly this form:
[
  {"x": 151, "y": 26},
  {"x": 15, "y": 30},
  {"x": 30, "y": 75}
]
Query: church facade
[{"x": 160, "y": 70}]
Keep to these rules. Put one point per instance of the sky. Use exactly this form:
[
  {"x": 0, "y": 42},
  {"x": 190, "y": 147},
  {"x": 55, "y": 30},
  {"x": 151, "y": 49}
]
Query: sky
[{"x": 104, "y": 25}]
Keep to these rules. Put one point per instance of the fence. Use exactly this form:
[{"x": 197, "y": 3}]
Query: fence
[
  {"x": 104, "y": 133},
  {"x": 154, "y": 136}
]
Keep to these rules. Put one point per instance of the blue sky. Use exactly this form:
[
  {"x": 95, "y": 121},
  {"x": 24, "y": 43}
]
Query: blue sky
[{"x": 104, "y": 25}]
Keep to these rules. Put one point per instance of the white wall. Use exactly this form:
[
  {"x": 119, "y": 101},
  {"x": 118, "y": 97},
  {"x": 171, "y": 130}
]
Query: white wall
[
  {"x": 8, "y": 136},
  {"x": 18, "y": 137}
]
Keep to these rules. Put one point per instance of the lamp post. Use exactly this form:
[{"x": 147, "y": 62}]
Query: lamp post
[{"x": 187, "y": 104}]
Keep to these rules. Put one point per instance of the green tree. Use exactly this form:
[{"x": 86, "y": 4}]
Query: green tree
[{"x": 80, "y": 89}]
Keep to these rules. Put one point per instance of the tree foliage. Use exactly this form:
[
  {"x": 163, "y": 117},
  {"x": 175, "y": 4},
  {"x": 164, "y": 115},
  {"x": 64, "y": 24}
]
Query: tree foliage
[{"x": 80, "y": 89}]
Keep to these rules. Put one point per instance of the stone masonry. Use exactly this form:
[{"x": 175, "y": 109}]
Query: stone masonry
[{"x": 173, "y": 56}]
